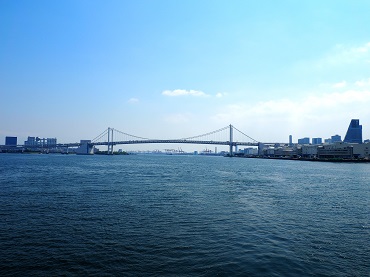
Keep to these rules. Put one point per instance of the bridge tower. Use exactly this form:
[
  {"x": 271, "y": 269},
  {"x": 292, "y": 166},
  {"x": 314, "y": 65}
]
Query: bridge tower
[
  {"x": 110, "y": 141},
  {"x": 231, "y": 141}
]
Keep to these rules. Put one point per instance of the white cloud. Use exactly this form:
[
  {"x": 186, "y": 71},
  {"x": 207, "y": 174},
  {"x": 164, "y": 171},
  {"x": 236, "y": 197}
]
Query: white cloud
[
  {"x": 133, "y": 100},
  {"x": 340, "y": 84},
  {"x": 305, "y": 107},
  {"x": 221, "y": 94},
  {"x": 344, "y": 55},
  {"x": 320, "y": 114},
  {"x": 362, "y": 83},
  {"x": 182, "y": 92},
  {"x": 362, "y": 49}
]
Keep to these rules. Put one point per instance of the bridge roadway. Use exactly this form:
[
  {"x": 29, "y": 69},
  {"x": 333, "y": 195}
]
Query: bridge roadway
[{"x": 164, "y": 141}]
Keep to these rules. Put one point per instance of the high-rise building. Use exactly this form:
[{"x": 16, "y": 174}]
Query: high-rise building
[
  {"x": 30, "y": 141},
  {"x": 336, "y": 138},
  {"x": 290, "y": 140},
  {"x": 354, "y": 132},
  {"x": 316, "y": 140},
  {"x": 304, "y": 141},
  {"x": 40, "y": 141},
  {"x": 51, "y": 141},
  {"x": 11, "y": 141}
]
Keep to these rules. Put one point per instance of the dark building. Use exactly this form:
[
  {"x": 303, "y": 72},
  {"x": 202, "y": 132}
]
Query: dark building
[
  {"x": 304, "y": 141},
  {"x": 332, "y": 151},
  {"x": 316, "y": 140},
  {"x": 336, "y": 138},
  {"x": 11, "y": 141},
  {"x": 354, "y": 133}
]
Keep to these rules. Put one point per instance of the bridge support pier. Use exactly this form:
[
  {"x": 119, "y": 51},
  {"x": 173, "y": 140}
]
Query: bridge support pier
[
  {"x": 86, "y": 148},
  {"x": 260, "y": 149}
]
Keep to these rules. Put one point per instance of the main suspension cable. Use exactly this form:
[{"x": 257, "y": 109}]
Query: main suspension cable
[
  {"x": 207, "y": 134},
  {"x": 245, "y": 134},
  {"x": 100, "y": 136},
  {"x": 123, "y": 133}
]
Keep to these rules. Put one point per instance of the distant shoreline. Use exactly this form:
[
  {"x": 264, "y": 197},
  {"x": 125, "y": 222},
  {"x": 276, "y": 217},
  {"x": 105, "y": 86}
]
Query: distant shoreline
[{"x": 334, "y": 160}]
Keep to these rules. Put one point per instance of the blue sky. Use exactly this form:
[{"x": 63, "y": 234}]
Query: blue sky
[{"x": 171, "y": 69}]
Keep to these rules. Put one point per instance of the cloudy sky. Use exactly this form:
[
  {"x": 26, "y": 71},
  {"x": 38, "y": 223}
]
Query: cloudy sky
[{"x": 172, "y": 69}]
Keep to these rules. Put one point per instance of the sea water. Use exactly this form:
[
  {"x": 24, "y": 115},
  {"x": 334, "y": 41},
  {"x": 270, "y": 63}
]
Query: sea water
[{"x": 155, "y": 215}]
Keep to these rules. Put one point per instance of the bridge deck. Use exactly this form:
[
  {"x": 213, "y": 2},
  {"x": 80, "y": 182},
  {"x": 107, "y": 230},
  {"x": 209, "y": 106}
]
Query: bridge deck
[
  {"x": 179, "y": 141},
  {"x": 163, "y": 141}
]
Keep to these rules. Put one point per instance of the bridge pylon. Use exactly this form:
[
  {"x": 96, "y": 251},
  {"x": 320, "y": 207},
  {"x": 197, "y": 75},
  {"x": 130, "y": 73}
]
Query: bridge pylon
[
  {"x": 231, "y": 141},
  {"x": 110, "y": 141}
]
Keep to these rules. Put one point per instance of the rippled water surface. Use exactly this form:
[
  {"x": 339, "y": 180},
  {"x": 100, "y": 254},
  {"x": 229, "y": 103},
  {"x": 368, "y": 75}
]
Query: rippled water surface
[{"x": 182, "y": 215}]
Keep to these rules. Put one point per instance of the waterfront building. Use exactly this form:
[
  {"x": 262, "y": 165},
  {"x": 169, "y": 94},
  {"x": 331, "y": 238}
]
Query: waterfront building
[
  {"x": 327, "y": 141},
  {"x": 51, "y": 141},
  {"x": 304, "y": 141},
  {"x": 286, "y": 152},
  {"x": 11, "y": 141},
  {"x": 309, "y": 151},
  {"x": 336, "y": 138},
  {"x": 338, "y": 150},
  {"x": 316, "y": 140},
  {"x": 290, "y": 140},
  {"x": 30, "y": 141},
  {"x": 36, "y": 141},
  {"x": 354, "y": 132},
  {"x": 85, "y": 148},
  {"x": 269, "y": 152},
  {"x": 250, "y": 151},
  {"x": 361, "y": 150}
]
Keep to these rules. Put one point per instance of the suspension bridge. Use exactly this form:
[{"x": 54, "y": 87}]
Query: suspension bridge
[
  {"x": 216, "y": 137},
  {"x": 228, "y": 136}
]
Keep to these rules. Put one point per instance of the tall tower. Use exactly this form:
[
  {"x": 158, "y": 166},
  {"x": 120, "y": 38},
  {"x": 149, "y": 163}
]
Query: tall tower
[
  {"x": 290, "y": 140},
  {"x": 354, "y": 132}
]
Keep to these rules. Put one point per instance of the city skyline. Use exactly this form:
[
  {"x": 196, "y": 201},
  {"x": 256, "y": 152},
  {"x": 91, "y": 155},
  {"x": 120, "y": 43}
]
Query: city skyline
[
  {"x": 167, "y": 70},
  {"x": 353, "y": 135}
]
